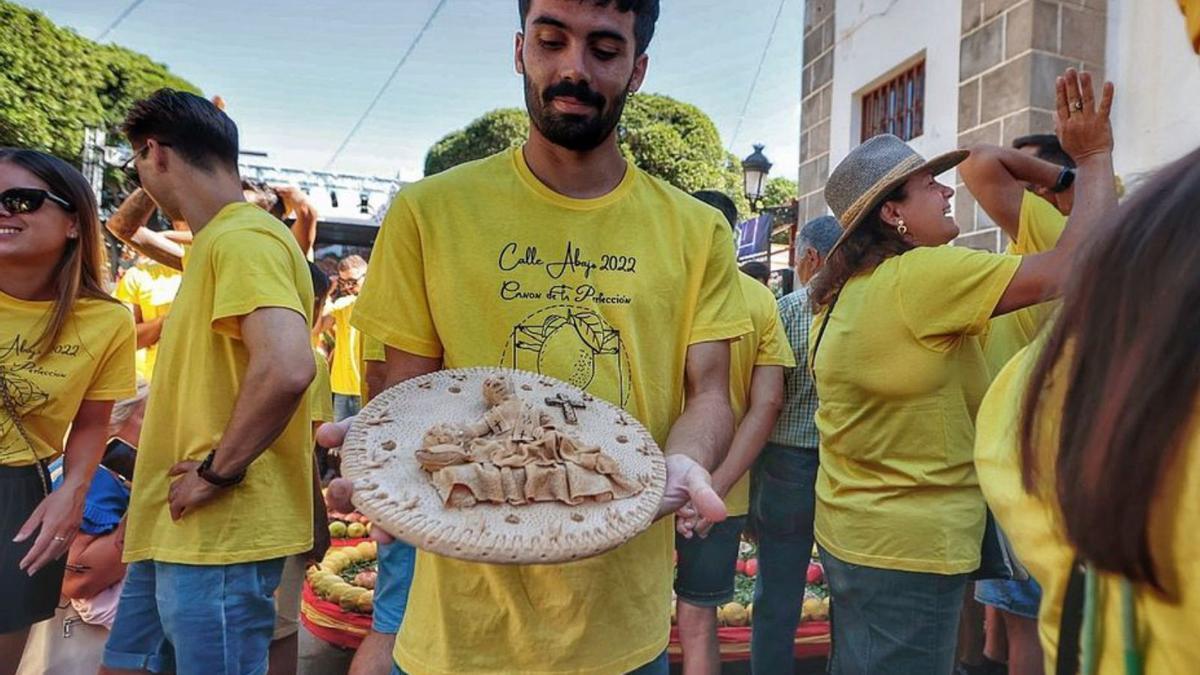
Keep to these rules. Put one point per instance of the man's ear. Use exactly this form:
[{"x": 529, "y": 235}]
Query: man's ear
[
  {"x": 640, "y": 64},
  {"x": 518, "y": 53}
]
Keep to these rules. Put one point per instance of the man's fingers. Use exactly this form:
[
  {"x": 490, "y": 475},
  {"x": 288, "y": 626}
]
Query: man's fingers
[
  {"x": 338, "y": 495},
  {"x": 708, "y": 503},
  {"x": 381, "y": 536},
  {"x": 1072, "y": 77},
  {"x": 181, "y": 468},
  {"x": 332, "y": 435},
  {"x": 1060, "y": 95},
  {"x": 1106, "y": 100},
  {"x": 1087, "y": 94}
]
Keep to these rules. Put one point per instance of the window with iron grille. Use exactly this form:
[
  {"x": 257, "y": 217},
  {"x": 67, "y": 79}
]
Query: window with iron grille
[{"x": 897, "y": 106}]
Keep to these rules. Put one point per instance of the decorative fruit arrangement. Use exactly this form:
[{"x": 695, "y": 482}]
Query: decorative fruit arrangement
[
  {"x": 348, "y": 525},
  {"x": 740, "y": 612},
  {"x": 347, "y": 576}
]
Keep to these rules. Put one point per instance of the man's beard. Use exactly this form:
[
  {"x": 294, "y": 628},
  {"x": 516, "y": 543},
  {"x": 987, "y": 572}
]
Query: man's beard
[{"x": 580, "y": 133}]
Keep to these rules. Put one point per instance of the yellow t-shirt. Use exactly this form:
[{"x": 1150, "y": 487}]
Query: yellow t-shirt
[
  {"x": 372, "y": 350},
  {"x": 345, "y": 374},
  {"x": 1166, "y": 626},
  {"x": 320, "y": 397},
  {"x": 1039, "y": 227},
  {"x": 900, "y": 374},
  {"x": 93, "y": 361},
  {"x": 605, "y": 293},
  {"x": 241, "y": 261},
  {"x": 767, "y": 346},
  {"x": 1191, "y": 12},
  {"x": 151, "y": 287}
]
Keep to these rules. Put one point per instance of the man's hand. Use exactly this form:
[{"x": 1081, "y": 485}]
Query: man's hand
[
  {"x": 337, "y": 496},
  {"x": 189, "y": 492},
  {"x": 1083, "y": 128},
  {"x": 690, "y": 496}
]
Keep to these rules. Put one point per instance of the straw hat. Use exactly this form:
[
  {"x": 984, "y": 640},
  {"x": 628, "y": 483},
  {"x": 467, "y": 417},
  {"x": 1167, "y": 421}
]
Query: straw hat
[
  {"x": 425, "y": 508},
  {"x": 874, "y": 170}
]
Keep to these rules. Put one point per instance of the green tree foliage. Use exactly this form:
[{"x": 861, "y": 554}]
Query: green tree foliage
[
  {"x": 54, "y": 83},
  {"x": 494, "y": 132},
  {"x": 674, "y": 141},
  {"x": 780, "y": 191}
]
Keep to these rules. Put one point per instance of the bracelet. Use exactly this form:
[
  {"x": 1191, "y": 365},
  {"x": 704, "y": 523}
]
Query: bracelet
[
  {"x": 1066, "y": 178},
  {"x": 213, "y": 478}
]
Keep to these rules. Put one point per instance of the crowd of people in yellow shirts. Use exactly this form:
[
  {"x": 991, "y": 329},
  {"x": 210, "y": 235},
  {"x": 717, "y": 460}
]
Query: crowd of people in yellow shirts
[{"x": 937, "y": 419}]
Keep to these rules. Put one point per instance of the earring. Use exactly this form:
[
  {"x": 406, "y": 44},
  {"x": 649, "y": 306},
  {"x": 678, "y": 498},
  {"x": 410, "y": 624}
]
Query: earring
[{"x": 902, "y": 228}]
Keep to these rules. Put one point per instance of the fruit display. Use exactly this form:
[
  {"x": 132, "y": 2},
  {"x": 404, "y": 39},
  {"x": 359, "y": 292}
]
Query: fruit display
[
  {"x": 348, "y": 525},
  {"x": 346, "y": 577},
  {"x": 740, "y": 611}
]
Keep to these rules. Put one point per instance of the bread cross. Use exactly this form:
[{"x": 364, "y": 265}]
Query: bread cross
[{"x": 568, "y": 406}]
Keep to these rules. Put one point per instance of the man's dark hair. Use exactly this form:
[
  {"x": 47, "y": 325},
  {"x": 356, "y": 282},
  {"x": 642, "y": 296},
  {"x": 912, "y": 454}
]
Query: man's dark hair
[
  {"x": 193, "y": 127},
  {"x": 320, "y": 281},
  {"x": 758, "y": 271},
  {"x": 721, "y": 202},
  {"x": 646, "y": 12},
  {"x": 1048, "y": 148}
]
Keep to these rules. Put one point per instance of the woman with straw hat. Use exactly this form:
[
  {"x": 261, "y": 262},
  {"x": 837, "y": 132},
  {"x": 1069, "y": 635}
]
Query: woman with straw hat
[{"x": 899, "y": 368}]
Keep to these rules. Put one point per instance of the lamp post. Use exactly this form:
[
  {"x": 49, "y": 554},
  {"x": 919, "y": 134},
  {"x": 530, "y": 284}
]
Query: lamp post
[{"x": 755, "y": 169}]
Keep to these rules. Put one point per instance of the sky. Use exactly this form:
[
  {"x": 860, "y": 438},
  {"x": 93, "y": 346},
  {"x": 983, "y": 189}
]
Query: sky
[{"x": 297, "y": 74}]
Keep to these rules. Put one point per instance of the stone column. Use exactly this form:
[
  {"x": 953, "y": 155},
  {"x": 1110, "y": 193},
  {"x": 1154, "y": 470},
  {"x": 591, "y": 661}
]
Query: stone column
[
  {"x": 1011, "y": 52},
  {"x": 815, "y": 108}
]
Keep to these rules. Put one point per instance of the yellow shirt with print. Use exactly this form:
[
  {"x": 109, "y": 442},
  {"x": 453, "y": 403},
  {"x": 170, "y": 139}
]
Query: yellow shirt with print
[
  {"x": 1166, "y": 624},
  {"x": 605, "y": 293},
  {"x": 767, "y": 346},
  {"x": 900, "y": 374},
  {"x": 320, "y": 397},
  {"x": 1191, "y": 12},
  {"x": 241, "y": 261},
  {"x": 150, "y": 287},
  {"x": 1039, "y": 227},
  {"x": 92, "y": 361},
  {"x": 345, "y": 371}
]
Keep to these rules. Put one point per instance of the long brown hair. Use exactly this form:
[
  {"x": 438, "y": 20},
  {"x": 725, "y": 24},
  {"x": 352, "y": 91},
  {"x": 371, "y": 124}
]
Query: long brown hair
[
  {"x": 80, "y": 271},
  {"x": 1126, "y": 351},
  {"x": 869, "y": 244}
]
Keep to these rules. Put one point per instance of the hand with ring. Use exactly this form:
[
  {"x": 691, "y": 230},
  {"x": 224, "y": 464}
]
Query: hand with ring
[
  {"x": 1081, "y": 121},
  {"x": 56, "y": 521}
]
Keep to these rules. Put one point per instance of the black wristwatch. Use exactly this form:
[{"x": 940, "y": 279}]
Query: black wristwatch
[
  {"x": 213, "y": 478},
  {"x": 1066, "y": 178}
]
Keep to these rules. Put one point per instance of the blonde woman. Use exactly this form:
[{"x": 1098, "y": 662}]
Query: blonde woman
[{"x": 66, "y": 353}]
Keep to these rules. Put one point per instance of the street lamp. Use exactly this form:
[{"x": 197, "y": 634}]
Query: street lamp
[{"x": 754, "y": 171}]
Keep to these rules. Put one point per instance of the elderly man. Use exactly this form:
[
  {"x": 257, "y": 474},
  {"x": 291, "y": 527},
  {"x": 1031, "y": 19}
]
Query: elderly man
[{"x": 783, "y": 501}]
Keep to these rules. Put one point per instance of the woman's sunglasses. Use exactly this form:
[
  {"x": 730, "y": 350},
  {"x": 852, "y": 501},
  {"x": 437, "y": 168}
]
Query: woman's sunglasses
[{"x": 27, "y": 200}]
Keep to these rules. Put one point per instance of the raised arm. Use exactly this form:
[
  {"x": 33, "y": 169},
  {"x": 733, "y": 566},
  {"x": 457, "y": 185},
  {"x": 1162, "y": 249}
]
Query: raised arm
[
  {"x": 304, "y": 228},
  {"x": 278, "y": 373},
  {"x": 129, "y": 225},
  {"x": 766, "y": 401},
  {"x": 1085, "y": 131},
  {"x": 997, "y": 177}
]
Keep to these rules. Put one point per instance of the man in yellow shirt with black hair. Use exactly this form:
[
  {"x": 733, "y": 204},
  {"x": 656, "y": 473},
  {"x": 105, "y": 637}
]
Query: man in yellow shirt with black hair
[
  {"x": 223, "y": 488},
  {"x": 564, "y": 235}
]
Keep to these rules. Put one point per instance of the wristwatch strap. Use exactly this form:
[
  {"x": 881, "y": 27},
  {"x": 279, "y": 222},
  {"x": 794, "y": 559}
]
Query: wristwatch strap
[{"x": 213, "y": 478}]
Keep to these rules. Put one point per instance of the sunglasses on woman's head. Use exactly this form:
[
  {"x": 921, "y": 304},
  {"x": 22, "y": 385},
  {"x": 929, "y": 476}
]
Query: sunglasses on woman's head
[{"x": 27, "y": 200}]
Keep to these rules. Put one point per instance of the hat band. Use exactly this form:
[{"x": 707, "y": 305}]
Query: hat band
[{"x": 873, "y": 194}]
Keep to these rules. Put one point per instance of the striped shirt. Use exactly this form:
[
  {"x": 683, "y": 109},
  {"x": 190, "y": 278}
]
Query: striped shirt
[{"x": 795, "y": 426}]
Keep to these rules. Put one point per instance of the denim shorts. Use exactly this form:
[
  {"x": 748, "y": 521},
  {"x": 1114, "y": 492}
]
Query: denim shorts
[
  {"x": 707, "y": 565},
  {"x": 892, "y": 621},
  {"x": 1015, "y": 597},
  {"x": 396, "y": 562},
  {"x": 195, "y": 619}
]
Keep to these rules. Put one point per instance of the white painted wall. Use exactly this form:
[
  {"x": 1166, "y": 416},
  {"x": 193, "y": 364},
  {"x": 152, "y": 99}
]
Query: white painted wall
[
  {"x": 1149, "y": 58},
  {"x": 875, "y": 38}
]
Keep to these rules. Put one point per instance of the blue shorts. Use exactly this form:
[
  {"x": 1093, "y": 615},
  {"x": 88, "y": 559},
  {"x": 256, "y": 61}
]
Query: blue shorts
[
  {"x": 396, "y": 562},
  {"x": 707, "y": 566},
  {"x": 201, "y": 619},
  {"x": 1015, "y": 597}
]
